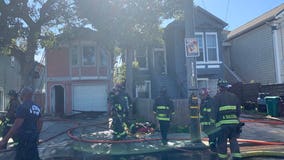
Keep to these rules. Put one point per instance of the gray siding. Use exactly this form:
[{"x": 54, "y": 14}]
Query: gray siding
[
  {"x": 281, "y": 49},
  {"x": 9, "y": 77},
  {"x": 252, "y": 55}
]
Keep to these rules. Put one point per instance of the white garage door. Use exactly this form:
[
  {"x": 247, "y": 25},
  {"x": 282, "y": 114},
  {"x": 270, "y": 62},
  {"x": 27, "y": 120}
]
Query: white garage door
[{"x": 90, "y": 98}]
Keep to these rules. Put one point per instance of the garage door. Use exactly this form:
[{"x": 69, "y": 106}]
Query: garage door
[{"x": 90, "y": 98}]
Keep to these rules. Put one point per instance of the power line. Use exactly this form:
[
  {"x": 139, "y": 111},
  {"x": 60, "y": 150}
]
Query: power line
[{"x": 227, "y": 12}]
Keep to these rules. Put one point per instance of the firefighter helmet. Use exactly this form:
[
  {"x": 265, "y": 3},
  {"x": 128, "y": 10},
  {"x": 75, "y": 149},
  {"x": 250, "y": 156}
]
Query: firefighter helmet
[
  {"x": 223, "y": 83},
  {"x": 12, "y": 93},
  {"x": 204, "y": 92}
]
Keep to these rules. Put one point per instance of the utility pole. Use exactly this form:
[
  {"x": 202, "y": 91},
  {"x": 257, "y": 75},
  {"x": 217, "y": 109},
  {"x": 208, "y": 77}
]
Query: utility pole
[{"x": 191, "y": 71}]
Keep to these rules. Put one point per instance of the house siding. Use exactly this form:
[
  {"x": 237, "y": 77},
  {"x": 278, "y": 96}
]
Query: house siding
[
  {"x": 281, "y": 48},
  {"x": 252, "y": 55},
  {"x": 58, "y": 63},
  {"x": 60, "y": 73},
  {"x": 174, "y": 40},
  {"x": 10, "y": 78}
]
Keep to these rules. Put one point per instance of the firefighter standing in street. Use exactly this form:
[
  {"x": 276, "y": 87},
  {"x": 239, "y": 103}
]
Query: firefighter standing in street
[
  {"x": 163, "y": 109},
  {"x": 27, "y": 126},
  {"x": 121, "y": 105},
  {"x": 207, "y": 120},
  {"x": 10, "y": 116},
  {"x": 227, "y": 112}
]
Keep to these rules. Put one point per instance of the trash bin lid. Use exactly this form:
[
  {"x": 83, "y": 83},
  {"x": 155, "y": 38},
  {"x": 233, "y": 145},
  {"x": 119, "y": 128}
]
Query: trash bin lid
[{"x": 271, "y": 97}]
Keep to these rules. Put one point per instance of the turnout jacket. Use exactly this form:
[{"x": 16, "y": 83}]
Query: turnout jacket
[
  {"x": 226, "y": 109},
  {"x": 163, "y": 108},
  {"x": 206, "y": 111}
]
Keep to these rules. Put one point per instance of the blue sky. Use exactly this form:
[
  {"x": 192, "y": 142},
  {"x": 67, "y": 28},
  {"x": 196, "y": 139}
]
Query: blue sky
[{"x": 237, "y": 12}]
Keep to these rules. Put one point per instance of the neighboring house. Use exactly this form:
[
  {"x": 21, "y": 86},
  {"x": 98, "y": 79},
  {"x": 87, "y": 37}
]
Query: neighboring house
[
  {"x": 39, "y": 77},
  {"x": 78, "y": 74},
  {"x": 255, "y": 50},
  {"x": 9, "y": 78},
  {"x": 166, "y": 66}
]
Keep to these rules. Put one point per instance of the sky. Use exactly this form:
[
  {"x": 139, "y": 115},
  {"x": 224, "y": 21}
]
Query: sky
[{"x": 237, "y": 12}]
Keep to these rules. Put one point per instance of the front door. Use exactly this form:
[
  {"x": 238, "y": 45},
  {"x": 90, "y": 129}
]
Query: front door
[{"x": 58, "y": 100}]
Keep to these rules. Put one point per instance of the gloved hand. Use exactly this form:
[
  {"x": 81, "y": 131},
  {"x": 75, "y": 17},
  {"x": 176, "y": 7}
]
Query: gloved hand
[{"x": 239, "y": 128}]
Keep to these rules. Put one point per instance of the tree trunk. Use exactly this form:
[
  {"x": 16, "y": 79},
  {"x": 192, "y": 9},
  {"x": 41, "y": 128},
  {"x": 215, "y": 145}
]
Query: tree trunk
[{"x": 29, "y": 64}]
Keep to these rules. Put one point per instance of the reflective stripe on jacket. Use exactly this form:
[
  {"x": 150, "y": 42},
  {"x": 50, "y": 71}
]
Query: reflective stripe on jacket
[
  {"x": 163, "y": 108},
  {"x": 206, "y": 117},
  {"x": 227, "y": 115}
]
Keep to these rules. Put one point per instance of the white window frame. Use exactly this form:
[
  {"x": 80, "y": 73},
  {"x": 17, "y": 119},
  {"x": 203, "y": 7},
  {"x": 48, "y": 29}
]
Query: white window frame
[
  {"x": 203, "y": 79},
  {"x": 71, "y": 51},
  {"x": 165, "y": 58},
  {"x": 145, "y": 83},
  {"x": 12, "y": 61},
  {"x": 203, "y": 48},
  {"x": 217, "y": 47},
  {"x": 95, "y": 54},
  {"x": 102, "y": 53},
  {"x": 146, "y": 59}
]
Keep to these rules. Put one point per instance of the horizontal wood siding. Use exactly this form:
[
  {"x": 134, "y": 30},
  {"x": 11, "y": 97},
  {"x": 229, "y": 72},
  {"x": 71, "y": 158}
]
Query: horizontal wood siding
[{"x": 252, "y": 55}]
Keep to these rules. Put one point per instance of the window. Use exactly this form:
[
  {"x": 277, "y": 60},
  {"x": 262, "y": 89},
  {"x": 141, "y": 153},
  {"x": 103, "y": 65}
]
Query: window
[
  {"x": 75, "y": 52},
  {"x": 89, "y": 56},
  {"x": 159, "y": 61},
  {"x": 202, "y": 83},
  {"x": 200, "y": 41},
  {"x": 142, "y": 58},
  {"x": 103, "y": 58},
  {"x": 12, "y": 61},
  {"x": 144, "y": 90},
  {"x": 212, "y": 47}
]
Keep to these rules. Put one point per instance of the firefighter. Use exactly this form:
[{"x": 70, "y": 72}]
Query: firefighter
[
  {"x": 27, "y": 126},
  {"x": 227, "y": 113},
  {"x": 10, "y": 116},
  {"x": 206, "y": 119},
  {"x": 163, "y": 109},
  {"x": 121, "y": 105},
  {"x": 110, "y": 99}
]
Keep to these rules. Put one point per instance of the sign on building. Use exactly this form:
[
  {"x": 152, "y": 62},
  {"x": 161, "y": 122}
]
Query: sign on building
[{"x": 191, "y": 47}]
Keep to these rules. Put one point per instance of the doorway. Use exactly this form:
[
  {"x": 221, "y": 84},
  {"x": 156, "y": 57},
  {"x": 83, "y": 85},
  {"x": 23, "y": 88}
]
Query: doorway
[{"x": 58, "y": 100}]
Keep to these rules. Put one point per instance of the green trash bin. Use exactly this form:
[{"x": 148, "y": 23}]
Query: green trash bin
[{"x": 272, "y": 105}]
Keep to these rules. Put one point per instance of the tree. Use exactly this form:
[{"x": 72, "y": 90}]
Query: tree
[
  {"x": 27, "y": 25},
  {"x": 129, "y": 24},
  {"x": 126, "y": 23}
]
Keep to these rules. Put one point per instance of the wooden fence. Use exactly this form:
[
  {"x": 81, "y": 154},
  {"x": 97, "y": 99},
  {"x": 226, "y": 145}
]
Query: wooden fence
[
  {"x": 249, "y": 92},
  {"x": 144, "y": 111}
]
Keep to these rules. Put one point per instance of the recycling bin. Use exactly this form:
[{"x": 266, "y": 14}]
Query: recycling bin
[{"x": 272, "y": 105}]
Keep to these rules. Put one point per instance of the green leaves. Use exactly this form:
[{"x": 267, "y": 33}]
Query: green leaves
[{"x": 129, "y": 23}]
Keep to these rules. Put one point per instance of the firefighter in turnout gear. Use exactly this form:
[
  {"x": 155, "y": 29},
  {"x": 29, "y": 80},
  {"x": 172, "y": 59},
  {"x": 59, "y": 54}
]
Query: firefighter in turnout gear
[
  {"x": 110, "y": 99},
  {"x": 121, "y": 105},
  {"x": 9, "y": 118},
  {"x": 163, "y": 109},
  {"x": 227, "y": 112},
  {"x": 206, "y": 119}
]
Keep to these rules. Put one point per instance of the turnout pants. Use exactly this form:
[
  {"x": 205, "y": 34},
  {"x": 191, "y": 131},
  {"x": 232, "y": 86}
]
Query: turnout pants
[
  {"x": 228, "y": 132},
  {"x": 164, "y": 127}
]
